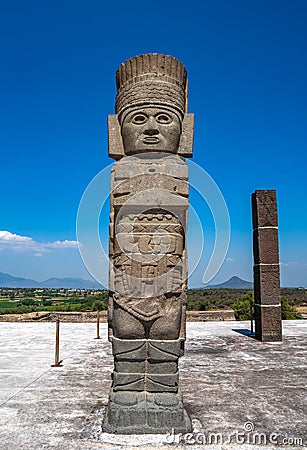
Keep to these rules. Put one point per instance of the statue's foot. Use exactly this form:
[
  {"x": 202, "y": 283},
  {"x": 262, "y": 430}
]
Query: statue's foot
[{"x": 144, "y": 413}]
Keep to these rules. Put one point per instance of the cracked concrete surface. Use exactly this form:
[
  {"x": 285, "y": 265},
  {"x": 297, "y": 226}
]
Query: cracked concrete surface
[{"x": 228, "y": 379}]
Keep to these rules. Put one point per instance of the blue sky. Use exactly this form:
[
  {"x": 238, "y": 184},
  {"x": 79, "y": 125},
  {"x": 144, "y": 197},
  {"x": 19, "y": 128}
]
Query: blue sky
[{"x": 246, "y": 62}]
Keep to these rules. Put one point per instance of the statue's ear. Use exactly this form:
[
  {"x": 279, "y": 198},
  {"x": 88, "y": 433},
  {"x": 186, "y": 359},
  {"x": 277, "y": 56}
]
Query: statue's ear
[
  {"x": 116, "y": 147},
  {"x": 187, "y": 136}
]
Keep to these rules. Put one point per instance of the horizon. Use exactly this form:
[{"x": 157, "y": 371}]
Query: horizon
[
  {"x": 102, "y": 288},
  {"x": 247, "y": 70}
]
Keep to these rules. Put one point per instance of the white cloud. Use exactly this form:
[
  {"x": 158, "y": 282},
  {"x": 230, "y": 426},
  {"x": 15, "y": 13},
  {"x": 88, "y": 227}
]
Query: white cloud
[
  {"x": 230, "y": 259},
  {"x": 7, "y": 236},
  {"x": 62, "y": 244},
  {"x": 286, "y": 264},
  {"x": 20, "y": 243}
]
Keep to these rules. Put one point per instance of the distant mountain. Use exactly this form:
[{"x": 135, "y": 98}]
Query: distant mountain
[
  {"x": 70, "y": 283},
  {"x": 7, "y": 280},
  {"x": 232, "y": 283}
]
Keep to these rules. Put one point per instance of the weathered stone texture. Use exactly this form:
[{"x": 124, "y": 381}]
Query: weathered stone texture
[
  {"x": 148, "y": 136},
  {"x": 268, "y": 323},
  {"x": 264, "y": 207},
  {"x": 267, "y": 284},
  {"x": 266, "y": 246}
]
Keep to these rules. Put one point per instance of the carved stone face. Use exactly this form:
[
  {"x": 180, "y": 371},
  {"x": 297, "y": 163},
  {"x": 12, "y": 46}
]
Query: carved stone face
[{"x": 151, "y": 129}]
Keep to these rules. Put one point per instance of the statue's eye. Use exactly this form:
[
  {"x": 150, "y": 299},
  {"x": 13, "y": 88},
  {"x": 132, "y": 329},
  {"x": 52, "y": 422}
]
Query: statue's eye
[
  {"x": 139, "y": 119},
  {"x": 163, "y": 118}
]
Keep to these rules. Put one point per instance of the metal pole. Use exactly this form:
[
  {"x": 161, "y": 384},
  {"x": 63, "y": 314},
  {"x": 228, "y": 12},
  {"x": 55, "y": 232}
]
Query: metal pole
[
  {"x": 98, "y": 316},
  {"x": 252, "y": 322},
  {"x": 57, "y": 362}
]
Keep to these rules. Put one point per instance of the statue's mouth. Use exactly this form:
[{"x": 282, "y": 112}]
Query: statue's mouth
[{"x": 151, "y": 140}]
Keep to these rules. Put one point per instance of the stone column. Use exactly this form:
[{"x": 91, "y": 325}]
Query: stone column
[
  {"x": 150, "y": 135},
  {"x": 268, "y": 323}
]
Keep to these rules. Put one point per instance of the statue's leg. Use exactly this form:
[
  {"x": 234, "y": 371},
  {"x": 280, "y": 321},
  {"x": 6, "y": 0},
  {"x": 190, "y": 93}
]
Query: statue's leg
[
  {"x": 144, "y": 396},
  {"x": 125, "y": 325}
]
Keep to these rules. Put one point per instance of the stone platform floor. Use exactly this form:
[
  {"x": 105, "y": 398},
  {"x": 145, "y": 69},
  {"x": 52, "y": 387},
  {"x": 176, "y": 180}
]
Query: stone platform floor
[{"x": 236, "y": 389}]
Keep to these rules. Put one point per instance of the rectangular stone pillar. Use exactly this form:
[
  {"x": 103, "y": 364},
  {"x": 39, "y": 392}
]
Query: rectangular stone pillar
[{"x": 268, "y": 322}]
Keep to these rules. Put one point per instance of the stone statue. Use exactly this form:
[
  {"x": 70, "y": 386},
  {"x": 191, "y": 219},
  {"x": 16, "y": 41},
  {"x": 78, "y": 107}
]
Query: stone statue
[{"x": 150, "y": 135}]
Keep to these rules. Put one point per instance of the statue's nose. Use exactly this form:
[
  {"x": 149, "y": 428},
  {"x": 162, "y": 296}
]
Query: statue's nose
[{"x": 151, "y": 127}]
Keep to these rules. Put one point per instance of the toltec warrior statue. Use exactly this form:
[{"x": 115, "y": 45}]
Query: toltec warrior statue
[{"x": 150, "y": 136}]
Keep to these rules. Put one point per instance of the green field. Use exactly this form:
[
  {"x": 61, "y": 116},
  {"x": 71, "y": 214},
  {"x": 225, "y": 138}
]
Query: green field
[{"x": 21, "y": 303}]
